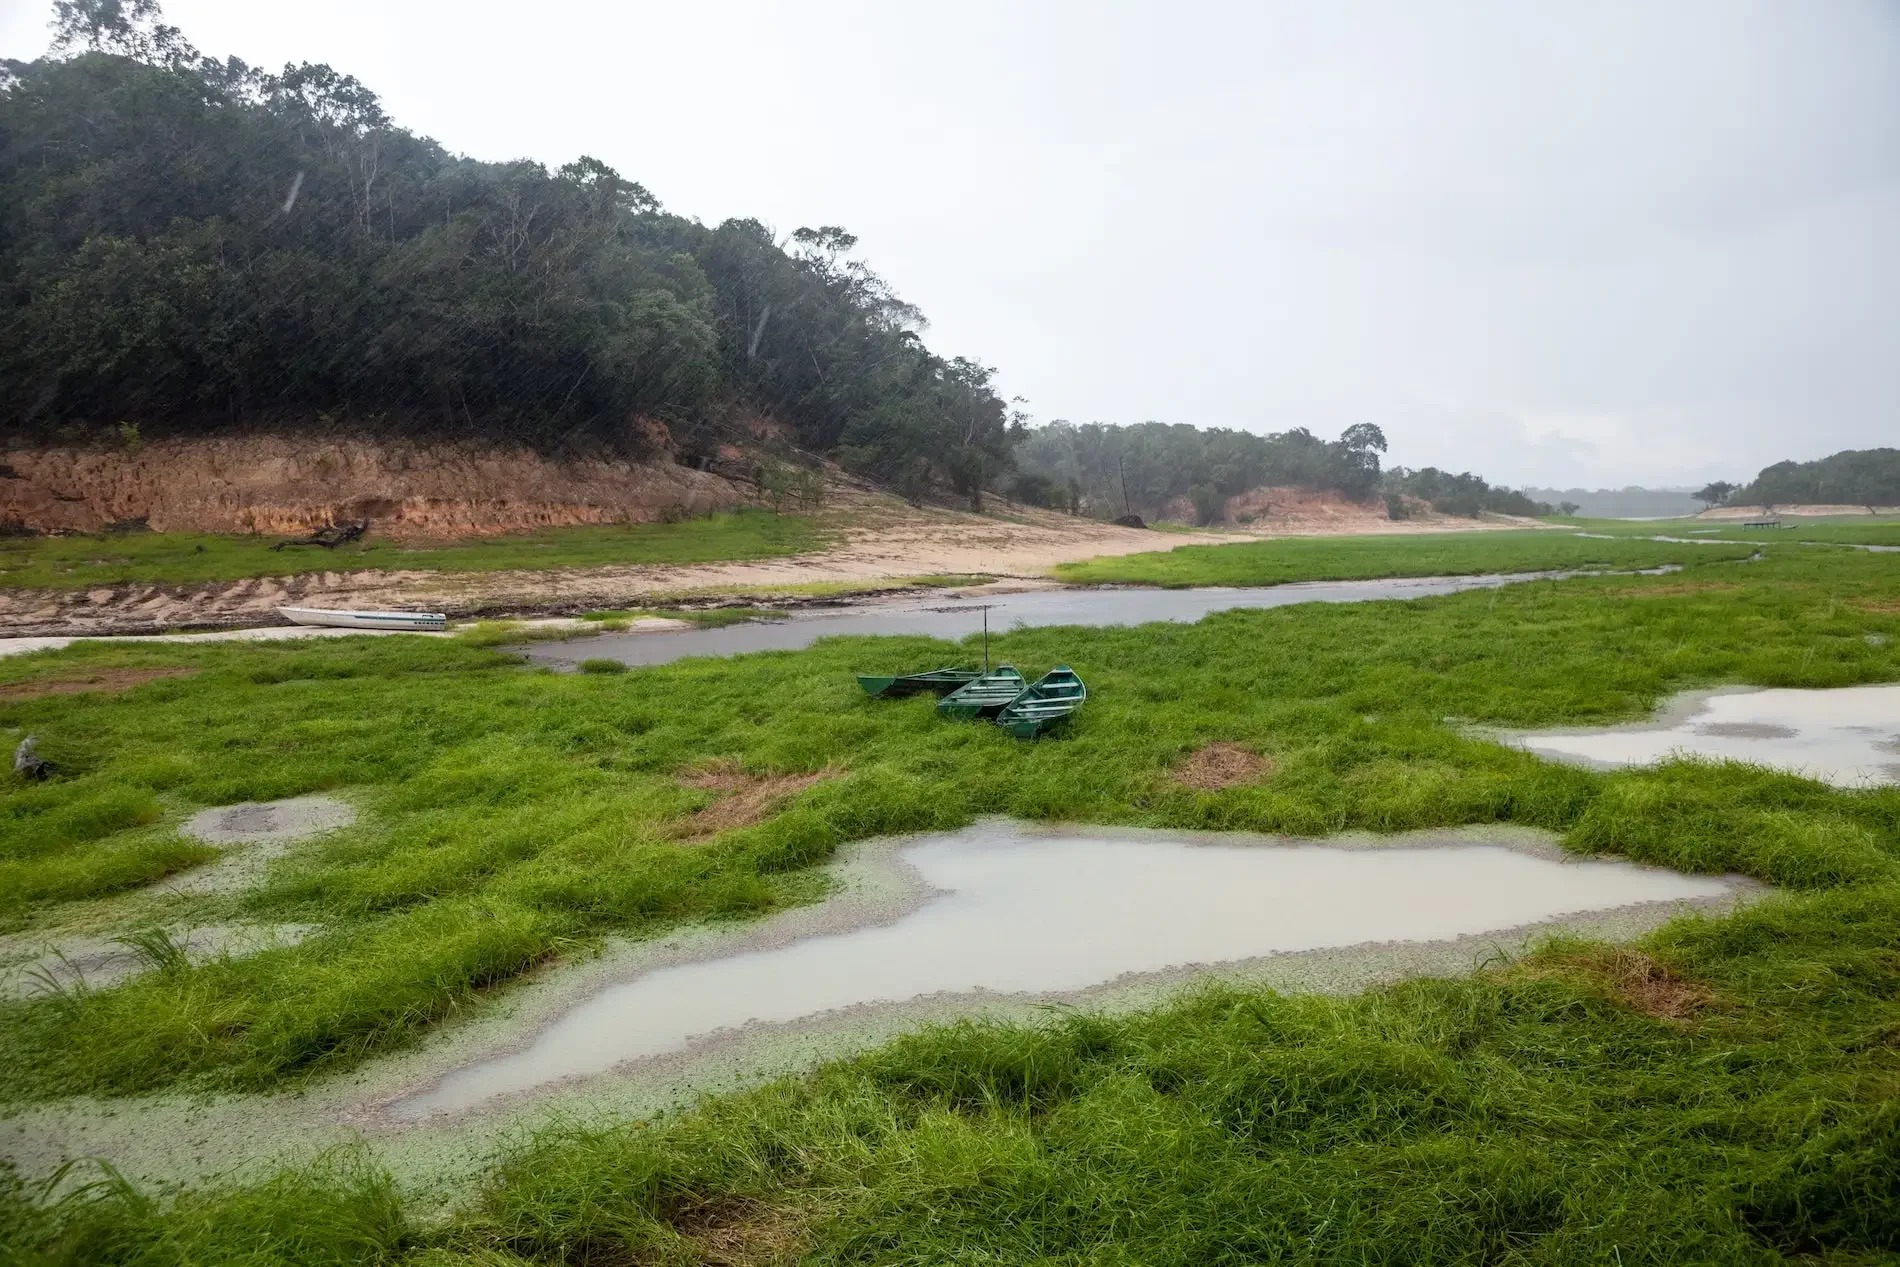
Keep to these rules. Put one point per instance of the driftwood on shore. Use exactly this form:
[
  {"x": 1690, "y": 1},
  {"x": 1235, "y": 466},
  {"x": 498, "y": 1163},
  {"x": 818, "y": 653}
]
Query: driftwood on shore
[{"x": 329, "y": 537}]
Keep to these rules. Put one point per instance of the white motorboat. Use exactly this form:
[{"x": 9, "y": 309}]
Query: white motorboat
[{"x": 411, "y": 622}]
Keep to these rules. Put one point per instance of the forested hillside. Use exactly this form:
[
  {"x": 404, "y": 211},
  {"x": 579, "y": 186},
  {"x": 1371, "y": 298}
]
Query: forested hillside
[
  {"x": 1852, "y": 477},
  {"x": 188, "y": 244},
  {"x": 1112, "y": 469},
  {"x": 1460, "y": 494}
]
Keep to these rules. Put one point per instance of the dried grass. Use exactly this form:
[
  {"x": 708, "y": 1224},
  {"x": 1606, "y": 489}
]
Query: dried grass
[
  {"x": 742, "y": 799},
  {"x": 740, "y": 1232},
  {"x": 94, "y": 680},
  {"x": 1222, "y": 765},
  {"x": 1641, "y": 983}
]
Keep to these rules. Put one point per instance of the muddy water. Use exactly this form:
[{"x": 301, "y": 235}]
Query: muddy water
[
  {"x": 1849, "y": 736},
  {"x": 1012, "y": 909},
  {"x": 956, "y": 619}
]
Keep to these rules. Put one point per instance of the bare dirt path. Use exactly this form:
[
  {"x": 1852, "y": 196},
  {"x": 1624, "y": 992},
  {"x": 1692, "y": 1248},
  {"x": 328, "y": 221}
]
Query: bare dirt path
[{"x": 882, "y": 541}]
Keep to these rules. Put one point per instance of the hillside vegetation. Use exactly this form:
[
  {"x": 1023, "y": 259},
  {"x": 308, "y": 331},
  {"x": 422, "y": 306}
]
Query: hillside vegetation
[
  {"x": 1852, "y": 477},
  {"x": 195, "y": 244},
  {"x": 192, "y": 243},
  {"x": 1144, "y": 469}
]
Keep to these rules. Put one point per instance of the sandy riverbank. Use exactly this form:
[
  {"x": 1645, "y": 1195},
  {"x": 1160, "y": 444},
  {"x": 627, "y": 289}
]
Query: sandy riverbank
[{"x": 881, "y": 542}]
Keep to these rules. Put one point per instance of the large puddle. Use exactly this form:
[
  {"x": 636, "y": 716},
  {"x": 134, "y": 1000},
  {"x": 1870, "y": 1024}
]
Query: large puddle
[
  {"x": 1848, "y": 736},
  {"x": 958, "y": 619},
  {"x": 1006, "y": 908}
]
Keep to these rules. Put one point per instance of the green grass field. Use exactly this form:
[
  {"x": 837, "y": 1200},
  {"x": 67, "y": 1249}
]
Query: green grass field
[
  {"x": 1529, "y": 1113},
  {"x": 1832, "y": 530},
  {"x": 78, "y": 562},
  {"x": 1285, "y": 559}
]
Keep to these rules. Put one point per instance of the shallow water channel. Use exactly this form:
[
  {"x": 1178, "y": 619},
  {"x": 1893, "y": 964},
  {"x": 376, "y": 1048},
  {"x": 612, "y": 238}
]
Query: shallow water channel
[
  {"x": 1006, "y": 908},
  {"x": 1848, "y": 736},
  {"x": 942, "y": 617}
]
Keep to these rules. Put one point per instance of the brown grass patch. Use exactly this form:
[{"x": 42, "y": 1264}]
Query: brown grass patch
[
  {"x": 1221, "y": 765},
  {"x": 1675, "y": 589},
  {"x": 741, "y": 1232},
  {"x": 1885, "y": 606},
  {"x": 1641, "y": 983},
  {"x": 743, "y": 799},
  {"x": 93, "y": 680}
]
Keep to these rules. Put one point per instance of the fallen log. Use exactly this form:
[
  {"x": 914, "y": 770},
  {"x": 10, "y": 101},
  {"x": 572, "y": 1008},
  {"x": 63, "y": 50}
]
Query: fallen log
[{"x": 329, "y": 537}]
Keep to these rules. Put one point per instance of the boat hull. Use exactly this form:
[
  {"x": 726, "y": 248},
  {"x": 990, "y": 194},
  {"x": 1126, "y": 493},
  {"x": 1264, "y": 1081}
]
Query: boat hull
[
  {"x": 984, "y": 697},
  {"x": 1050, "y": 701},
  {"x": 407, "y": 622},
  {"x": 939, "y": 681}
]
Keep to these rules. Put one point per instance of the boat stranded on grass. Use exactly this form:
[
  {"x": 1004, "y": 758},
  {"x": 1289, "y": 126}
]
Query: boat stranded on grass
[
  {"x": 1025, "y": 710},
  {"x": 940, "y": 681},
  {"x": 985, "y": 697},
  {"x": 1048, "y": 703}
]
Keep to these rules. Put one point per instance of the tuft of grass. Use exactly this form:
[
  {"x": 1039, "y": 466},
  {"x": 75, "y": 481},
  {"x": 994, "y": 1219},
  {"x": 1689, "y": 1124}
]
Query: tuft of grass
[
  {"x": 598, "y": 665},
  {"x": 81, "y": 561}
]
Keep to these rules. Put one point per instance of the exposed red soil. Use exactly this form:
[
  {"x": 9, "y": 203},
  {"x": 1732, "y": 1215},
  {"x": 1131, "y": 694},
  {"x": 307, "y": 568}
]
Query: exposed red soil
[
  {"x": 94, "y": 680},
  {"x": 289, "y": 484}
]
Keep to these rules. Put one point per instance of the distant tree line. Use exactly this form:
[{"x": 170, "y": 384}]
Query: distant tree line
[
  {"x": 1108, "y": 470},
  {"x": 1852, "y": 477},
  {"x": 1462, "y": 494},
  {"x": 187, "y": 243}
]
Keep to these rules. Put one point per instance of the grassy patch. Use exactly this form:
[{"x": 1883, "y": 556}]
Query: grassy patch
[
  {"x": 1722, "y": 1093},
  {"x": 508, "y": 810},
  {"x": 1280, "y": 560},
  {"x": 78, "y": 562},
  {"x": 1833, "y": 530}
]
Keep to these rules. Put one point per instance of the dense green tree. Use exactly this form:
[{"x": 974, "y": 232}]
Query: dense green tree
[
  {"x": 1461, "y": 494},
  {"x": 1854, "y": 477},
  {"x": 1715, "y": 493},
  {"x": 187, "y": 244},
  {"x": 1142, "y": 468}
]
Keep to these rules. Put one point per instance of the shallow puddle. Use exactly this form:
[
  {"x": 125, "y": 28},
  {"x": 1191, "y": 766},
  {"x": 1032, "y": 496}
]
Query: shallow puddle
[
  {"x": 959, "y": 618},
  {"x": 1018, "y": 910},
  {"x": 1847, "y": 736}
]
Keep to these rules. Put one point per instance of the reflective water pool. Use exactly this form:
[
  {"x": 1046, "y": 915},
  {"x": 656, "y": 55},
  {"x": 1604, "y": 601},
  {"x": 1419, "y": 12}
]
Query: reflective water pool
[
  {"x": 1847, "y": 736},
  {"x": 941, "y": 617},
  {"x": 1024, "y": 910}
]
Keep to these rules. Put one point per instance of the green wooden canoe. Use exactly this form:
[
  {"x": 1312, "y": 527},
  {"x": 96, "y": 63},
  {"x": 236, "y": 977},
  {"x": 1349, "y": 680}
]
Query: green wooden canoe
[
  {"x": 941, "y": 681},
  {"x": 1051, "y": 701},
  {"x": 985, "y": 696}
]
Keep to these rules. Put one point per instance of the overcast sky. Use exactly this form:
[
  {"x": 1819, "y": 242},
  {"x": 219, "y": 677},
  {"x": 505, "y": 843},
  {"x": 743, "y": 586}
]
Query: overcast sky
[{"x": 1564, "y": 244}]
